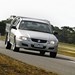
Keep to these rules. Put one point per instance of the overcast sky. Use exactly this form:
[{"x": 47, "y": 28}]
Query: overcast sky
[{"x": 58, "y": 12}]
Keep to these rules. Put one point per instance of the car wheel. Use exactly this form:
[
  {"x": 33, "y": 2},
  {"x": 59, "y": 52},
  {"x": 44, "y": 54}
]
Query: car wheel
[
  {"x": 7, "y": 43},
  {"x": 53, "y": 54},
  {"x": 16, "y": 49},
  {"x": 42, "y": 52}
]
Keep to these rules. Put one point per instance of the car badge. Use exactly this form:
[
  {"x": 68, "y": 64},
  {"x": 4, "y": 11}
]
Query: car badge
[{"x": 39, "y": 41}]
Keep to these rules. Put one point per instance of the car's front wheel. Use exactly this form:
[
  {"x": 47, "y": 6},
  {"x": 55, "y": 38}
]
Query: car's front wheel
[
  {"x": 53, "y": 54},
  {"x": 16, "y": 49}
]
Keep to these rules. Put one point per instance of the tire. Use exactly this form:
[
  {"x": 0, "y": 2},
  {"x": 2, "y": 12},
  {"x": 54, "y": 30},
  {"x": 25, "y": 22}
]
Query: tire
[
  {"x": 53, "y": 54},
  {"x": 42, "y": 53},
  {"x": 7, "y": 43},
  {"x": 16, "y": 49}
]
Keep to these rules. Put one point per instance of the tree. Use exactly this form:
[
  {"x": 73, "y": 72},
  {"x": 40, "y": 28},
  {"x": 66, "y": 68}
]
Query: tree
[{"x": 2, "y": 28}]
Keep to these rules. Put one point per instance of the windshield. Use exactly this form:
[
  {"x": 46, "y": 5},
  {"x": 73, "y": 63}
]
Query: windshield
[{"x": 34, "y": 26}]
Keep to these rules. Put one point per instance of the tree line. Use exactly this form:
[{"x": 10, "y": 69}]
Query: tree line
[
  {"x": 3, "y": 25},
  {"x": 65, "y": 34},
  {"x": 2, "y": 28}
]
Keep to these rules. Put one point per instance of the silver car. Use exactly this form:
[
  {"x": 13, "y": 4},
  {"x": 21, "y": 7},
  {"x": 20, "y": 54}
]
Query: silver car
[{"x": 32, "y": 34}]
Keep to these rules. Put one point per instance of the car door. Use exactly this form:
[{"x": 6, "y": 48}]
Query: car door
[{"x": 13, "y": 30}]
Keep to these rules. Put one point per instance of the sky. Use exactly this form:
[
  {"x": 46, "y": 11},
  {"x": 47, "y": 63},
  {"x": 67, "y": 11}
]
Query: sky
[{"x": 58, "y": 12}]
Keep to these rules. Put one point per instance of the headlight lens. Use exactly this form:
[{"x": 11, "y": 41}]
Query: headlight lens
[
  {"x": 51, "y": 42},
  {"x": 24, "y": 38}
]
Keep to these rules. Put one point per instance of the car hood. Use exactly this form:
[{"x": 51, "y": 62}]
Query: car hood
[{"x": 38, "y": 35}]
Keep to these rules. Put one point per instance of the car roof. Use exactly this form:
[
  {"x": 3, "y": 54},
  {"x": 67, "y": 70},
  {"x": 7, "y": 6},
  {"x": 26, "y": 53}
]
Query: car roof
[{"x": 33, "y": 19}]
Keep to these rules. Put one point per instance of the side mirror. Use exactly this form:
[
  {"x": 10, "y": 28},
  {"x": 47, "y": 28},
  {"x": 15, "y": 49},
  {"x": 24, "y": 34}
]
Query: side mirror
[
  {"x": 14, "y": 27},
  {"x": 55, "y": 33}
]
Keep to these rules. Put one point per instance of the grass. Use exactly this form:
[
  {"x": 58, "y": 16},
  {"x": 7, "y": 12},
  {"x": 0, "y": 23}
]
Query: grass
[
  {"x": 2, "y": 37},
  {"x": 64, "y": 52},
  {"x": 9, "y": 66},
  {"x": 66, "y": 49},
  {"x": 67, "y": 44}
]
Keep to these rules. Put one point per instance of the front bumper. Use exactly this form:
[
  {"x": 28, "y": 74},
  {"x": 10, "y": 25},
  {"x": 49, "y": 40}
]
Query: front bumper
[{"x": 36, "y": 46}]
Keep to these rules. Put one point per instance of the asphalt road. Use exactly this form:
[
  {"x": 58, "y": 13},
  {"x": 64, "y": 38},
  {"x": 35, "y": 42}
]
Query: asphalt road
[{"x": 63, "y": 65}]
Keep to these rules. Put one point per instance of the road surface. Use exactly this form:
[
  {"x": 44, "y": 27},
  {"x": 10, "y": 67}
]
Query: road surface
[{"x": 63, "y": 65}]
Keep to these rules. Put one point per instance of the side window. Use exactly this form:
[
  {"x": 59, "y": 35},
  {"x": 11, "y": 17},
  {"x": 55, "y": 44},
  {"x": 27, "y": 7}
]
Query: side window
[{"x": 15, "y": 22}]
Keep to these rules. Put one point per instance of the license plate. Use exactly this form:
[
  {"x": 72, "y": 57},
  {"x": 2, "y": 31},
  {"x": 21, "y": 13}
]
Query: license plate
[{"x": 38, "y": 45}]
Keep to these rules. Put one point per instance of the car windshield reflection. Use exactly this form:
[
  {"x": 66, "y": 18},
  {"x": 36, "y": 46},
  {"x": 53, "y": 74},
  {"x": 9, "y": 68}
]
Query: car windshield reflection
[{"x": 34, "y": 26}]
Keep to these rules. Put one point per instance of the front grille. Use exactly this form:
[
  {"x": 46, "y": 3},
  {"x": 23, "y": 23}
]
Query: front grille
[
  {"x": 38, "y": 40},
  {"x": 51, "y": 48}
]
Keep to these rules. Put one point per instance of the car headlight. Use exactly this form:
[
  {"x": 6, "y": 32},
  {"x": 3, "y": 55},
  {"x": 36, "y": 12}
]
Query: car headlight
[
  {"x": 51, "y": 42},
  {"x": 24, "y": 38}
]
